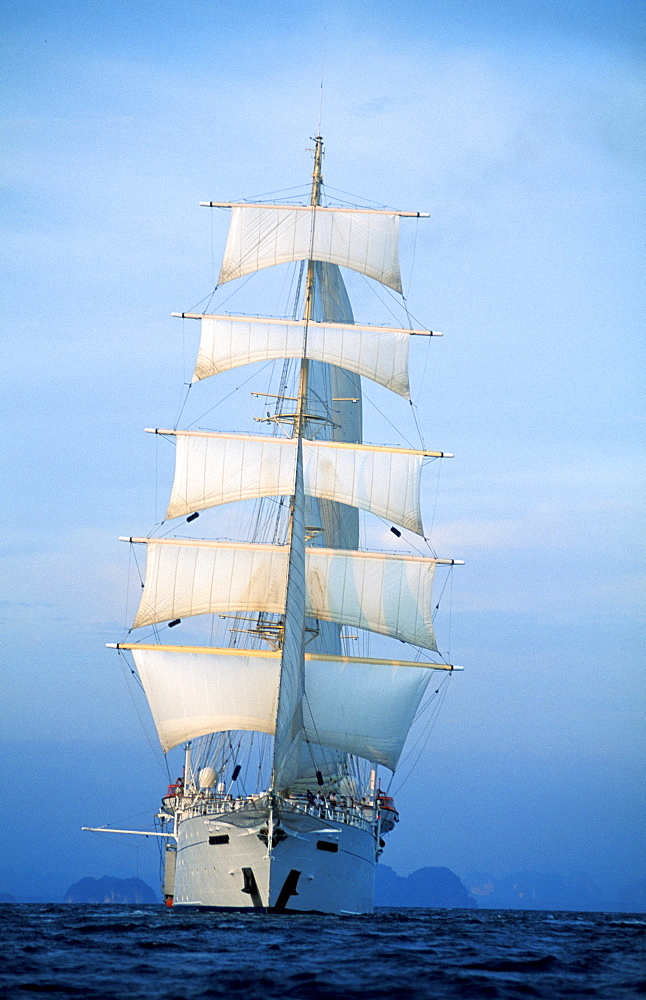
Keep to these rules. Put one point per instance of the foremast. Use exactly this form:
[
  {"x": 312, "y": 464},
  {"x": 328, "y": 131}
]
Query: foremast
[{"x": 289, "y": 714}]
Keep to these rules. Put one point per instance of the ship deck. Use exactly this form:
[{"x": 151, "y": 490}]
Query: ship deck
[{"x": 363, "y": 816}]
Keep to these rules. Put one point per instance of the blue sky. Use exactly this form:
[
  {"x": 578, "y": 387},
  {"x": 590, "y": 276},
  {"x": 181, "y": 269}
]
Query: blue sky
[{"x": 517, "y": 126}]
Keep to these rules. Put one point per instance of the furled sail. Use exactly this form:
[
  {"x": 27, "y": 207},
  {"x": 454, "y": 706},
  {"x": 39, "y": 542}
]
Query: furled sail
[
  {"x": 388, "y": 594},
  {"x": 381, "y": 354},
  {"x": 213, "y": 469},
  {"x": 353, "y": 705},
  {"x": 263, "y": 235}
]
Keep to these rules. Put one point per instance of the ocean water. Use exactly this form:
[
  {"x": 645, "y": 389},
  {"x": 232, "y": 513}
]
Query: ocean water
[{"x": 107, "y": 952}]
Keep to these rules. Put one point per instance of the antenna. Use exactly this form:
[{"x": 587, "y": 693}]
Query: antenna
[
  {"x": 321, "y": 102},
  {"x": 324, "y": 37}
]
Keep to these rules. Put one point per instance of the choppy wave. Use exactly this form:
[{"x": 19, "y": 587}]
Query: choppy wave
[{"x": 117, "y": 952}]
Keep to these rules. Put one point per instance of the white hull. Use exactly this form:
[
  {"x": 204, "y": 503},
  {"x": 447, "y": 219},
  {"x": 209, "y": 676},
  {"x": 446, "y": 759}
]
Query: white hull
[{"x": 316, "y": 864}]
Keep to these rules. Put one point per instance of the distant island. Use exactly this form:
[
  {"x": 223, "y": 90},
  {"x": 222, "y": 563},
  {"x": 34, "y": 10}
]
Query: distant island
[
  {"x": 110, "y": 890},
  {"x": 434, "y": 887},
  {"x": 543, "y": 891},
  {"x": 426, "y": 887}
]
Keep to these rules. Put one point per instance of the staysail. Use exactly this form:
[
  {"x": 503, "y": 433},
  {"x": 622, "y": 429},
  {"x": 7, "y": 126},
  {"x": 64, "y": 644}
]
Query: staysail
[{"x": 335, "y": 394}]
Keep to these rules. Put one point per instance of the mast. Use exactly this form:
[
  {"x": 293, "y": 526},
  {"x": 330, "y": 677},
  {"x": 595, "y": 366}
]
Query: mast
[
  {"x": 315, "y": 200},
  {"x": 289, "y": 712}
]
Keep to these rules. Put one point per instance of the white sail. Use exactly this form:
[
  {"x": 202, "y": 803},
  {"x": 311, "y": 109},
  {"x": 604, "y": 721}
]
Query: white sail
[
  {"x": 263, "y": 235},
  {"x": 361, "y": 707},
  {"x": 389, "y": 594},
  {"x": 381, "y": 593},
  {"x": 230, "y": 341},
  {"x": 184, "y": 579},
  {"x": 213, "y": 469},
  {"x": 191, "y": 694},
  {"x": 384, "y": 481},
  {"x": 354, "y": 705}
]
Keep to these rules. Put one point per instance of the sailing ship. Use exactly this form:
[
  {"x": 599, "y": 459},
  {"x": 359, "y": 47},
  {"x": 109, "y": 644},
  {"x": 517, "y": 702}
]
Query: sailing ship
[{"x": 279, "y": 808}]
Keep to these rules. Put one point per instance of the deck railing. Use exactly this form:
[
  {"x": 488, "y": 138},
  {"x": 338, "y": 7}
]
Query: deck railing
[{"x": 204, "y": 804}]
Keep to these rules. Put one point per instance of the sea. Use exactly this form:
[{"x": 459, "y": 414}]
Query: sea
[{"x": 155, "y": 953}]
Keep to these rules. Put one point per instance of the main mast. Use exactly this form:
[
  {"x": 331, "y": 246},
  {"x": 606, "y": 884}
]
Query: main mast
[{"x": 289, "y": 712}]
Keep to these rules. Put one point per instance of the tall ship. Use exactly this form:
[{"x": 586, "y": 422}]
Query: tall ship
[{"x": 288, "y": 730}]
